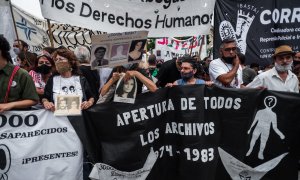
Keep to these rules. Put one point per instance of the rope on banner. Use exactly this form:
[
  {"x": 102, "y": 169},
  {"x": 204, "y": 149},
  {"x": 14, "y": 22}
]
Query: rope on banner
[
  {"x": 14, "y": 21},
  {"x": 50, "y": 33}
]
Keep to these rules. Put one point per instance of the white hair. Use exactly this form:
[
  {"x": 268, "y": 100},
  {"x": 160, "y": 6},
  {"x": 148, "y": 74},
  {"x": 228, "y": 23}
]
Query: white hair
[{"x": 82, "y": 53}]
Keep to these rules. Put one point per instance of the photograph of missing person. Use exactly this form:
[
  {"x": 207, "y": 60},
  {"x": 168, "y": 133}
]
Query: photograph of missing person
[
  {"x": 99, "y": 56},
  {"x": 126, "y": 91},
  {"x": 119, "y": 52},
  {"x": 136, "y": 50},
  {"x": 67, "y": 105}
]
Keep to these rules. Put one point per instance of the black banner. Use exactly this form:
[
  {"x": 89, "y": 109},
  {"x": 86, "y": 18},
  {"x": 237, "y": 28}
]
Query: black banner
[
  {"x": 198, "y": 132},
  {"x": 258, "y": 26}
]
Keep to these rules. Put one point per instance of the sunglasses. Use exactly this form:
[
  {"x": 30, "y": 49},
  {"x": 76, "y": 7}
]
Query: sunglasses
[{"x": 230, "y": 49}]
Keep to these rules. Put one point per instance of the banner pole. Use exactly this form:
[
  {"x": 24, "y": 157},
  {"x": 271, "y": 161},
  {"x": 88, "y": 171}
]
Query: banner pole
[
  {"x": 13, "y": 18},
  {"x": 203, "y": 37},
  {"x": 192, "y": 46},
  {"x": 50, "y": 33}
]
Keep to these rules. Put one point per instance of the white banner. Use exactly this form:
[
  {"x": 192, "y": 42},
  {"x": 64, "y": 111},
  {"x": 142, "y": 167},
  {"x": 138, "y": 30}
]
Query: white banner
[
  {"x": 6, "y": 26},
  {"x": 34, "y": 31},
  {"x": 38, "y": 145},
  {"x": 167, "y": 48},
  {"x": 31, "y": 30},
  {"x": 160, "y": 18}
]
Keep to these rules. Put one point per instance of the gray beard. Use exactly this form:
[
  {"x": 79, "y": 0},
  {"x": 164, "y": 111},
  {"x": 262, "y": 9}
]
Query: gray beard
[{"x": 284, "y": 68}]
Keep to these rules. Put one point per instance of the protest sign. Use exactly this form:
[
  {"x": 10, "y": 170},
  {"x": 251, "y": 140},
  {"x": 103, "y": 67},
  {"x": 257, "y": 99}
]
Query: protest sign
[
  {"x": 38, "y": 145},
  {"x": 126, "y": 90},
  {"x": 257, "y": 26},
  {"x": 160, "y": 18},
  {"x": 169, "y": 48},
  {"x": 117, "y": 48},
  {"x": 197, "y": 132}
]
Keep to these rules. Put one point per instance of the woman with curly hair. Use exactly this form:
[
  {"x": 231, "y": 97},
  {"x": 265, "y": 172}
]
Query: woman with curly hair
[{"x": 68, "y": 75}]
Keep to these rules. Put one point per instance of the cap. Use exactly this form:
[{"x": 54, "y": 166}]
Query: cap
[{"x": 283, "y": 50}]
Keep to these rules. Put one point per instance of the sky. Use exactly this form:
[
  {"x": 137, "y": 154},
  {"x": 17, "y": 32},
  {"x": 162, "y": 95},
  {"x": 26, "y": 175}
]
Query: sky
[{"x": 30, "y": 6}]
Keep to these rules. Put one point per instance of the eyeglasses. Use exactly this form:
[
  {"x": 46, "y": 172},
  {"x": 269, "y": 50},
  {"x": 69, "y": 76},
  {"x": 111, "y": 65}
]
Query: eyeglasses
[
  {"x": 296, "y": 57},
  {"x": 61, "y": 59},
  {"x": 230, "y": 49}
]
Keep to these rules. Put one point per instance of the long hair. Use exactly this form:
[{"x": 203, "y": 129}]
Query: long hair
[
  {"x": 120, "y": 91},
  {"x": 71, "y": 58},
  {"x": 134, "y": 43}
]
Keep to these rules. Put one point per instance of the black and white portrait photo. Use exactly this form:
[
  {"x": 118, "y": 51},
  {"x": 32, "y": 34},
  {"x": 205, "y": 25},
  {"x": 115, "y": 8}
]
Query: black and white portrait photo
[
  {"x": 99, "y": 56},
  {"x": 126, "y": 91},
  {"x": 136, "y": 50},
  {"x": 119, "y": 52},
  {"x": 67, "y": 105}
]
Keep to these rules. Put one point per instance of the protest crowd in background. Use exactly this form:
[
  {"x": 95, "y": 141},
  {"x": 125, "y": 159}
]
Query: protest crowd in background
[{"x": 34, "y": 81}]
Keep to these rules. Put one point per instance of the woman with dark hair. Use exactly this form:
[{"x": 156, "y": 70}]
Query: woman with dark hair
[
  {"x": 17, "y": 89},
  {"x": 68, "y": 75},
  {"x": 126, "y": 89},
  {"x": 136, "y": 50},
  {"x": 43, "y": 68}
]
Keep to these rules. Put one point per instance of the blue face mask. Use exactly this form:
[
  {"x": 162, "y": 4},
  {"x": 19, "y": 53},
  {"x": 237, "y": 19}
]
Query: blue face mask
[{"x": 16, "y": 50}]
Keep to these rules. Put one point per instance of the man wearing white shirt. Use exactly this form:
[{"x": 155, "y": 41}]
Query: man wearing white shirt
[
  {"x": 227, "y": 71},
  {"x": 280, "y": 77}
]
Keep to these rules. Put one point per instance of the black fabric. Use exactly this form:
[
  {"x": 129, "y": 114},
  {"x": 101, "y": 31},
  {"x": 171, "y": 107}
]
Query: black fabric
[
  {"x": 231, "y": 111},
  {"x": 272, "y": 25},
  {"x": 92, "y": 76},
  {"x": 168, "y": 73}
]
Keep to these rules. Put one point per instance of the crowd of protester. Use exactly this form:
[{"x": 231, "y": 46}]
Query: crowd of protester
[{"x": 33, "y": 81}]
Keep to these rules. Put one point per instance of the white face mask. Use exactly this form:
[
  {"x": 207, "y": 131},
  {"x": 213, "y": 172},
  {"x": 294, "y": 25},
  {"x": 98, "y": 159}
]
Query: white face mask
[
  {"x": 16, "y": 50},
  {"x": 283, "y": 68}
]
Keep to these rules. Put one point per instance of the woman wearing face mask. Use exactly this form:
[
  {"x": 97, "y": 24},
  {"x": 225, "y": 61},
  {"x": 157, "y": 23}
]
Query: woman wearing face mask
[
  {"x": 43, "y": 69},
  {"x": 68, "y": 75}
]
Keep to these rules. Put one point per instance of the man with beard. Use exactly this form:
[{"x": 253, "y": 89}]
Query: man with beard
[
  {"x": 280, "y": 77},
  {"x": 227, "y": 71},
  {"x": 187, "y": 72}
]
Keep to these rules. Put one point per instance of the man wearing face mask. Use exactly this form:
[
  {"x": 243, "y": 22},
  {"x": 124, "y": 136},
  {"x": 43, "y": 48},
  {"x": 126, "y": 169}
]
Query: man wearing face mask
[
  {"x": 227, "y": 71},
  {"x": 280, "y": 77},
  {"x": 187, "y": 72}
]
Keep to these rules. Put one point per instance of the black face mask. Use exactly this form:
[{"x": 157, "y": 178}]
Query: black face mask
[
  {"x": 228, "y": 60},
  {"x": 43, "y": 69},
  {"x": 295, "y": 63}
]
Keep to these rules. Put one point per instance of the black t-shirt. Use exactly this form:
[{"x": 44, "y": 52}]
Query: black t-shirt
[
  {"x": 92, "y": 77},
  {"x": 168, "y": 73}
]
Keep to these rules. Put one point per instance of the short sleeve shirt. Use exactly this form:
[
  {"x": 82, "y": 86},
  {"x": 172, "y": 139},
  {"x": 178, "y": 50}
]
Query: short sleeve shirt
[
  {"x": 22, "y": 86},
  {"x": 217, "y": 67}
]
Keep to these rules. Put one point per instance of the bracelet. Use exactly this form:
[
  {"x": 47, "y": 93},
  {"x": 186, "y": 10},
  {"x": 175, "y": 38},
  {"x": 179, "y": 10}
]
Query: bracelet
[{"x": 44, "y": 100}]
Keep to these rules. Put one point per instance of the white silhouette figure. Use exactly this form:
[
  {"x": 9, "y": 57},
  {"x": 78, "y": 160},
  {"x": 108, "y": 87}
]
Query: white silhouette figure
[
  {"x": 243, "y": 24},
  {"x": 264, "y": 119}
]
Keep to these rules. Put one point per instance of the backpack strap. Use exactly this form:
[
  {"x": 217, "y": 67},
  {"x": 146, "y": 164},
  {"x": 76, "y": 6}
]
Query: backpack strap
[{"x": 16, "y": 68}]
